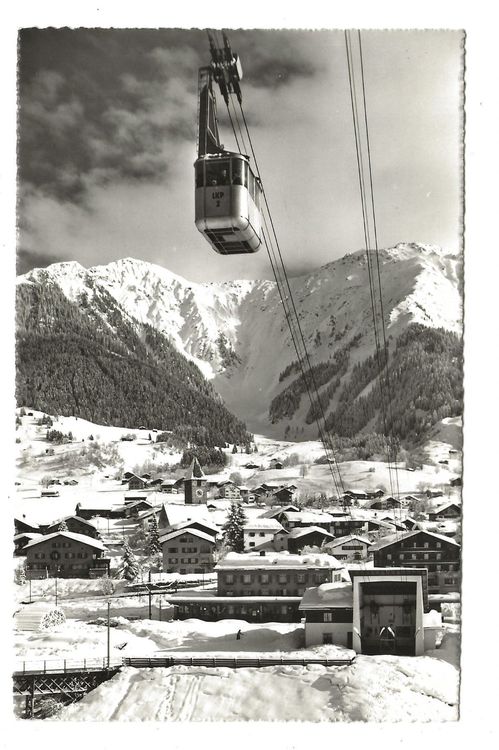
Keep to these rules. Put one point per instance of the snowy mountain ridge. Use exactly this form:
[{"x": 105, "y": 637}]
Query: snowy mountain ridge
[{"x": 236, "y": 333}]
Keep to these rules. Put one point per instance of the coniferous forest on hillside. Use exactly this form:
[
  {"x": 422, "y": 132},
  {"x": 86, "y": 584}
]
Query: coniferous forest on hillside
[
  {"x": 423, "y": 385},
  {"x": 70, "y": 362}
]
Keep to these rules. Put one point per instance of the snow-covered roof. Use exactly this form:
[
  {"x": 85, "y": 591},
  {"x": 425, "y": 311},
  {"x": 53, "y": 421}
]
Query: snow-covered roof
[
  {"x": 308, "y": 516},
  {"x": 136, "y": 494},
  {"x": 100, "y": 502},
  {"x": 179, "y": 513},
  {"x": 76, "y": 518},
  {"x": 188, "y": 530},
  {"x": 444, "y": 506},
  {"x": 278, "y": 559},
  {"x": 386, "y": 541},
  {"x": 187, "y": 524},
  {"x": 328, "y": 595},
  {"x": 295, "y": 533},
  {"x": 27, "y": 522},
  {"x": 27, "y": 535},
  {"x": 69, "y": 535},
  {"x": 339, "y": 541},
  {"x": 263, "y": 523}
]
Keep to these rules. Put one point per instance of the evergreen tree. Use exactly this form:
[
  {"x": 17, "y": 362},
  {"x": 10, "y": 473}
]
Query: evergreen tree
[
  {"x": 153, "y": 545},
  {"x": 62, "y": 526},
  {"x": 233, "y": 528},
  {"x": 234, "y": 449},
  {"x": 130, "y": 567}
]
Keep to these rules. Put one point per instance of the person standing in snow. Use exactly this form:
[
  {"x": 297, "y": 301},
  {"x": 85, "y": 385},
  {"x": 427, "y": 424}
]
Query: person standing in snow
[{"x": 238, "y": 635}]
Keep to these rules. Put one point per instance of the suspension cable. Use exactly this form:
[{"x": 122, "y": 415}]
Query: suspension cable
[{"x": 325, "y": 439}]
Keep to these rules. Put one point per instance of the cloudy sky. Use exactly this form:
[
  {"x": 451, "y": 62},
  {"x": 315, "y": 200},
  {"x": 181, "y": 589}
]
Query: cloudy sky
[{"x": 107, "y": 139}]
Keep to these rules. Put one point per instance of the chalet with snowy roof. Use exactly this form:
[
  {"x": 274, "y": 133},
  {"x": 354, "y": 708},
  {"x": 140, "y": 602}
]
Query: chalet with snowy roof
[
  {"x": 247, "y": 494},
  {"x": 100, "y": 505},
  {"x": 22, "y": 524},
  {"x": 276, "y": 463},
  {"x": 171, "y": 514},
  {"x": 228, "y": 490},
  {"x": 274, "y": 574},
  {"x": 350, "y": 548},
  {"x": 260, "y": 531},
  {"x": 251, "y": 465},
  {"x": 381, "y": 611},
  {"x": 66, "y": 555},
  {"x": 345, "y": 524},
  {"x": 169, "y": 486},
  {"x": 445, "y": 511},
  {"x": 433, "y": 493},
  {"x": 137, "y": 483},
  {"x": 356, "y": 494},
  {"x": 21, "y": 540},
  {"x": 309, "y": 536},
  {"x": 373, "y": 494},
  {"x": 293, "y": 520},
  {"x": 74, "y": 524},
  {"x": 195, "y": 488},
  {"x": 439, "y": 554},
  {"x": 410, "y": 523},
  {"x": 187, "y": 550},
  {"x": 283, "y": 496},
  {"x": 133, "y": 509},
  {"x": 277, "y": 512},
  {"x": 385, "y": 503}
]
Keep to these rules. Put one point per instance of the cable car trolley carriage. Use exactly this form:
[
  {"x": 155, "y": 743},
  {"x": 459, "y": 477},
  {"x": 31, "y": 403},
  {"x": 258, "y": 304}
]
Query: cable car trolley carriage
[{"x": 227, "y": 193}]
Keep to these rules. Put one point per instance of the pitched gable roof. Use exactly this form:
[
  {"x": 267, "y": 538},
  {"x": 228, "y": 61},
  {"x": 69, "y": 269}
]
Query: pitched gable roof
[{"x": 69, "y": 535}]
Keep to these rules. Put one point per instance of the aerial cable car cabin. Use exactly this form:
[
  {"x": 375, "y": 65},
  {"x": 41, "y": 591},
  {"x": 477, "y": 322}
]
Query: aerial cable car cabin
[{"x": 227, "y": 193}]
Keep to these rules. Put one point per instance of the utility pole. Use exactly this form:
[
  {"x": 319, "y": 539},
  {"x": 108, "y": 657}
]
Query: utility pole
[
  {"x": 108, "y": 634},
  {"x": 29, "y": 579},
  {"x": 150, "y": 596},
  {"x": 160, "y": 608}
]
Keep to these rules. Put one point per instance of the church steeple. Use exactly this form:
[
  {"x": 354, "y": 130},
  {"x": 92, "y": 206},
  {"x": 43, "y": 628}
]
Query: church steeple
[{"x": 195, "y": 484}]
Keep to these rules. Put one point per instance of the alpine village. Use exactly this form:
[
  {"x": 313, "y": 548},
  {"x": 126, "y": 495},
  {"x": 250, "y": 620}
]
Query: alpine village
[{"x": 239, "y": 500}]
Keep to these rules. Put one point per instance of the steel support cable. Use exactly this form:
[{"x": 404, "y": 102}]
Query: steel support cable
[
  {"x": 319, "y": 401},
  {"x": 353, "y": 95},
  {"x": 239, "y": 127},
  {"x": 365, "y": 219},
  {"x": 390, "y": 391},
  {"x": 289, "y": 320},
  {"x": 300, "y": 354}
]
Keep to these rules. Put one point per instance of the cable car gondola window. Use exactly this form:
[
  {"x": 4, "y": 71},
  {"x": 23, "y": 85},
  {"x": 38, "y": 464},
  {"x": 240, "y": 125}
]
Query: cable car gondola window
[
  {"x": 251, "y": 187},
  {"x": 217, "y": 173},
  {"x": 199, "y": 175}
]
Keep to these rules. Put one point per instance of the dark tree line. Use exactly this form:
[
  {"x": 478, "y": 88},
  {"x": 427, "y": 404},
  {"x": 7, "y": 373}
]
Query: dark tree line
[{"x": 97, "y": 363}]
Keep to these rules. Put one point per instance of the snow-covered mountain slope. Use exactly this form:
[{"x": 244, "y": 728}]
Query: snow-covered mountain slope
[{"x": 236, "y": 333}]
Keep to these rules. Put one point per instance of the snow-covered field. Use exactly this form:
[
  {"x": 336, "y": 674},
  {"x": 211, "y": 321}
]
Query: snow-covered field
[{"x": 383, "y": 688}]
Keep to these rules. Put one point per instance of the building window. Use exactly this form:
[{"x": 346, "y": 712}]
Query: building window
[
  {"x": 402, "y": 556},
  {"x": 426, "y": 556},
  {"x": 426, "y": 545},
  {"x": 252, "y": 533},
  {"x": 449, "y": 581},
  {"x": 282, "y": 578},
  {"x": 229, "y": 578},
  {"x": 388, "y": 557},
  {"x": 328, "y": 617},
  {"x": 327, "y": 637},
  {"x": 413, "y": 557},
  {"x": 439, "y": 545},
  {"x": 439, "y": 556},
  {"x": 247, "y": 578},
  {"x": 172, "y": 550},
  {"x": 264, "y": 578},
  {"x": 251, "y": 544}
]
